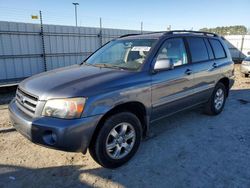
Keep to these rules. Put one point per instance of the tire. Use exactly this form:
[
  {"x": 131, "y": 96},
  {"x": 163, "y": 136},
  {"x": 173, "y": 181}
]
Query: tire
[
  {"x": 110, "y": 158},
  {"x": 210, "y": 106}
]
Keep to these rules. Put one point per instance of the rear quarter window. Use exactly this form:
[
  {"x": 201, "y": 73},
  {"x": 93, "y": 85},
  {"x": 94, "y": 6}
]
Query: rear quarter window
[
  {"x": 218, "y": 49},
  {"x": 197, "y": 49}
]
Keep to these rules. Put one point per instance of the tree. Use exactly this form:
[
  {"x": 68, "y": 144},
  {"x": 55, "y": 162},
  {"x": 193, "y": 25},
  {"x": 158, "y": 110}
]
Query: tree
[{"x": 228, "y": 30}]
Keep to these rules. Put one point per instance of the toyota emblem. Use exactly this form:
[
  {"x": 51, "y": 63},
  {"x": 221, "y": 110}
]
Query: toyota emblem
[{"x": 22, "y": 99}]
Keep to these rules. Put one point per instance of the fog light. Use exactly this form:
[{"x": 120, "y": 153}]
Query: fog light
[
  {"x": 53, "y": 137},
  {"x": 49, "y": 137}
]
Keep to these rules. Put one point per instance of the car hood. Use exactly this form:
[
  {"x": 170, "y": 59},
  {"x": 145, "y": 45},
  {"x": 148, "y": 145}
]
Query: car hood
[{"x": 73, "y": 81}]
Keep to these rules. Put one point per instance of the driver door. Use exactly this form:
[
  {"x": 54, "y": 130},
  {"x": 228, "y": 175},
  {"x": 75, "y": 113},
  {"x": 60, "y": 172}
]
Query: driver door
[{"x": 172, "y": 89}]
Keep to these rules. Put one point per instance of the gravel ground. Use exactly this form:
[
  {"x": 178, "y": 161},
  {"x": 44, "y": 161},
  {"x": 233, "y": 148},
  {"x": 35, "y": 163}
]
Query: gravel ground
[{"x": 186, "y": 150}]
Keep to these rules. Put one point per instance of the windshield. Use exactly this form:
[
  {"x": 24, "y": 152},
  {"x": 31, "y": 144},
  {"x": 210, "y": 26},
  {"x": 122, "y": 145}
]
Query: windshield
[{"x": 122, "y": 54}]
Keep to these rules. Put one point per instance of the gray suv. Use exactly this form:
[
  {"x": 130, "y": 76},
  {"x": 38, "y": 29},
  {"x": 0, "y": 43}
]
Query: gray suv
[{"x": 107, "y": 103}]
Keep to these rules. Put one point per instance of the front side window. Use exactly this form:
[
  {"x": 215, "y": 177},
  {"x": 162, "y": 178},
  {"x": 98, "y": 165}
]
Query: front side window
[
  {"x": 122, "y": 54},
  {"x": 198, "y": 49},
  {"x": 173, "y": 50}
]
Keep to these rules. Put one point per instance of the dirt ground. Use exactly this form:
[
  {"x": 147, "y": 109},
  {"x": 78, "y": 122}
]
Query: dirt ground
[{"x": 189, "y": 149}]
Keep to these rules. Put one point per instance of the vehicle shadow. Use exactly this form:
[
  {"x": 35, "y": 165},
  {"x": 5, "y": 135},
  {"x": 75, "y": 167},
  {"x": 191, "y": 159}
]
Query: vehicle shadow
[
  {"x": 61, "y": 176},
  {"x": 237, "y": 97},
  {"x": 189, "y": 149}
]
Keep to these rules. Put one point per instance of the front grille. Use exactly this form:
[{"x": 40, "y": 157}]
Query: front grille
[{"x": 26, "y": 102}]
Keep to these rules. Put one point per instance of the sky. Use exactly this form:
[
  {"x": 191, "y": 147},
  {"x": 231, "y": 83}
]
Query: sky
[{"x": 128, "y": 14}]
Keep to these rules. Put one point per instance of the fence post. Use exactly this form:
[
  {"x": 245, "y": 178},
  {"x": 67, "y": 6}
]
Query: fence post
[
  {"x": 43, "y": 45},
  {"x": 242, "y": 45},
  {"x": 100, "y": 32}
]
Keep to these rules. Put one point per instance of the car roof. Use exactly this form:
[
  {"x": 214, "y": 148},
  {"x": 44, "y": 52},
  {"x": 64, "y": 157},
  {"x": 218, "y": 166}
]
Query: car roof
[{"x": 157, "y": 35}]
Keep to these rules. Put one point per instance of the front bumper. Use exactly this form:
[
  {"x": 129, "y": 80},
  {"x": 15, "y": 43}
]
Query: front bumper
[
  {"x": 245, "y": 69},
  {"x": 67, "y": 135}
]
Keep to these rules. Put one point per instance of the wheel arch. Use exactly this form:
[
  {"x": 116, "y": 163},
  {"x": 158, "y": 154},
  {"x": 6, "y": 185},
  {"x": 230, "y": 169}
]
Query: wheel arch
[
  {"x": 135, "y": 107},
  {"x": 225, "y": 81}
]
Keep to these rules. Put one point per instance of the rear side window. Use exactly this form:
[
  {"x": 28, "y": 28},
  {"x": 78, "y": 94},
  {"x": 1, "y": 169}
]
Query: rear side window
[
  {"x": 219, "y": 51},
  {"x": 198, "y": 49}
]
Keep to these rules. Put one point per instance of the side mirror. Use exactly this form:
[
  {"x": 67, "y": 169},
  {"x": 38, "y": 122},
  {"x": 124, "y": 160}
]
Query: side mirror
[
  {"x": 248, "y": 53},
  {"x": 163, "y": 64}
]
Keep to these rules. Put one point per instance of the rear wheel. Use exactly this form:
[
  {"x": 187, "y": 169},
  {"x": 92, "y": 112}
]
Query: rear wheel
[
  {"x": 117, "y": 141},
  {"x": 216, "y": 102}
]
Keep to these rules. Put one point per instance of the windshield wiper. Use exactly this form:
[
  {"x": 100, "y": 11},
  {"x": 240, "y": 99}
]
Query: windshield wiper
[
  {"x": 121, "y": 68},
  {"x": 102, "y": 65},
  {"x": 105, "y": 65},
  {"x": 113, "y": 66}
]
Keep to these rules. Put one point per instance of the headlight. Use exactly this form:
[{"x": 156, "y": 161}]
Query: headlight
[{"x": 64, "y": 108}]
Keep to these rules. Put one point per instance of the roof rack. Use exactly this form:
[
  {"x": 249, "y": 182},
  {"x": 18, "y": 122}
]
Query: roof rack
[
  {"x": 146, "y": 33},
  {"x": 131, "y": 34},
  {"x": 189, "y": 31},
  {"x": 155, "y": 32},
  {"x": 172, "y": 32}
]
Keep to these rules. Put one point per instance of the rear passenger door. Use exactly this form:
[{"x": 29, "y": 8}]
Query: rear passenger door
[{"x": 203, "y": 66}]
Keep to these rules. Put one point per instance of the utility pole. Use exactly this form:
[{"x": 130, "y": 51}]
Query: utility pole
[
  {"x": 100, "y": 34},
  {"x": 141, "y": 27},
  {"x": 76, "y": 4}
]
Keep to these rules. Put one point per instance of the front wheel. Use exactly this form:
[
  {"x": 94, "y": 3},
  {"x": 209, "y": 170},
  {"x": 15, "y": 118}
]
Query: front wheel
[
  {"x": 217, "y": 100},
  {"x": 117, "y": 141}
]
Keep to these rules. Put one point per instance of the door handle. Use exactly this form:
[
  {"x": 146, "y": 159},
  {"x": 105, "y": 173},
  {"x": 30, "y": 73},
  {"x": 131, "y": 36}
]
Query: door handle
[
  {"x": 215, "y": 65},
  {"x": 188, "y": 71}
]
